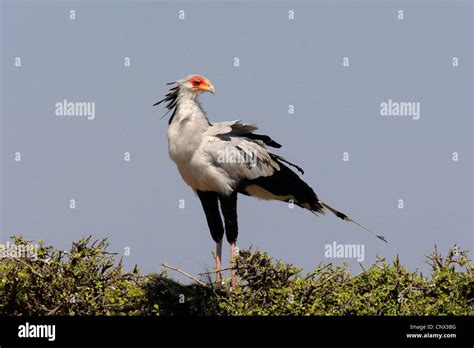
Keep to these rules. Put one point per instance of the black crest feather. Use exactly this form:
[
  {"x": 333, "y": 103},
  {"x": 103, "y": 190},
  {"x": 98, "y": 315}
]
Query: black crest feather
[{"x": 171, "y": 98}]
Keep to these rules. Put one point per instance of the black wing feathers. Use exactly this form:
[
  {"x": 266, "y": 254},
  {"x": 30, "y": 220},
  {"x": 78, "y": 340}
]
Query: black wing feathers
[
  {"x": 265, "y": 138},
  {"x": 285, "y": 182}
]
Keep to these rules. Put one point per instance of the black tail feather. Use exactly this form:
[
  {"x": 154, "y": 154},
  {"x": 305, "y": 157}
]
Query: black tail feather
[
  {"x": 347, "y": 218},
  {"x": 285, "y": 182}
]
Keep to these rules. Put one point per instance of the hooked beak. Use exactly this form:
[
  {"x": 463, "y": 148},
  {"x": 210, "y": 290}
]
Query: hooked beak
[{"x": 210, "y": 88}]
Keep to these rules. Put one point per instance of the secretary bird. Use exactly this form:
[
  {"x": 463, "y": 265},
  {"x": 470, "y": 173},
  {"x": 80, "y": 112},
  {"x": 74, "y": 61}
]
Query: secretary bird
[{"x": 220, "y": 160}]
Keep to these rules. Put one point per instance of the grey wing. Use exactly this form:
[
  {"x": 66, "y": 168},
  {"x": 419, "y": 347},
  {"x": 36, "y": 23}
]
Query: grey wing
[
  {"x": 235, "y": 127},
  {"x": 227, "y": 129},
  {"x": 234, "y": 148}
]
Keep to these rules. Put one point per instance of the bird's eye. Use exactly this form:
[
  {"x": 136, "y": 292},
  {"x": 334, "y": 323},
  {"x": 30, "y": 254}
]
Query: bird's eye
[{"x": 196, "y": 82}]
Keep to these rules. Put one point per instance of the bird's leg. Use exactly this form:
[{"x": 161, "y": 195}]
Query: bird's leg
[
  {"x": 218, "y": 263},
  {"x": 232, "y": 256},
  {"x": 229, "y": 211},
  {"x": 210, "y": 205}
]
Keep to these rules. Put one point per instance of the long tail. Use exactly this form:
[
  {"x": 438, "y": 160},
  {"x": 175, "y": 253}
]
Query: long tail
[
  {"x": 285, "y": 183},
  {"x": 347, "y": 218}
]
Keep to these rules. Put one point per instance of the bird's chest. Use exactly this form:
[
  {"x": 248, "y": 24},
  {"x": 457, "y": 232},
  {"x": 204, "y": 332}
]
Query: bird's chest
[
  {"x": 184, "y": 139},
  {"x": 185, "y": 132}
]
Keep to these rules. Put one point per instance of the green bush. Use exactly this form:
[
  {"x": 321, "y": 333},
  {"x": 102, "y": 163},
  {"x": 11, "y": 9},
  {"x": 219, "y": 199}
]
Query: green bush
[
  {"x": 88, "y": 280},
  {"x": 83, "y": 281},
  {"x": 269, "y": 288}
]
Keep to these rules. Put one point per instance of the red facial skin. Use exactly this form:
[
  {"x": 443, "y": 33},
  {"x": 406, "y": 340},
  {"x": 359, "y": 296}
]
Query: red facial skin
[{"x": 198, "y": 82}]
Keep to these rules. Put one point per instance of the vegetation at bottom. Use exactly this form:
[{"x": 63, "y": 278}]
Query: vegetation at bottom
[{"x": 90, "y": 280}]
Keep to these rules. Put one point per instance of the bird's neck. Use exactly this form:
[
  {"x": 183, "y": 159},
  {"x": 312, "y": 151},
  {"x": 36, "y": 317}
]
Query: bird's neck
[
  {"x": 190, "y": 111},
  {"x": 187, "y": 128},
  {"x": 187, "y": 95}
]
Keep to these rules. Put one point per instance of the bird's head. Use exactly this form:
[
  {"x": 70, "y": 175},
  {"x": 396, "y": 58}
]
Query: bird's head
[
  {"x": 188, "y": 88},
  {"x": 196, "y": 84}
]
